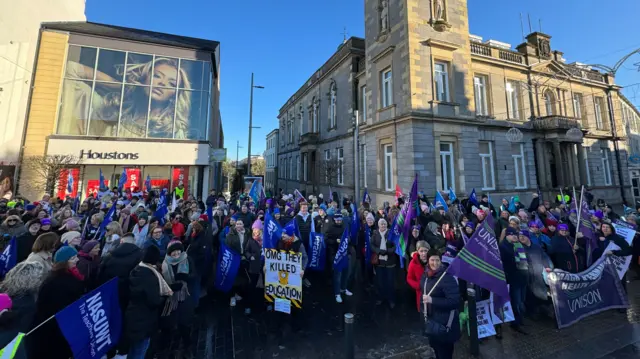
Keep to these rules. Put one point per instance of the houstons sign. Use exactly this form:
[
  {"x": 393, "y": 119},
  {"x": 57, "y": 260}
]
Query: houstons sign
[{"x": 108, "y": 155}]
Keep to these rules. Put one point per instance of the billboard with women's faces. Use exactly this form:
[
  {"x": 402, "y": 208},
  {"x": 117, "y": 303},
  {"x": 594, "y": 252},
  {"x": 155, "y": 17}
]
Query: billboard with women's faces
[{"x": 110, "y": 93}]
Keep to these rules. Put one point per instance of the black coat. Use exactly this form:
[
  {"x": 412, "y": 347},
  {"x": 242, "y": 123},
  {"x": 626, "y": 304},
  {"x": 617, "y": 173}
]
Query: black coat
[
  {"x": 59, "y": 290},
  {"x": 304, "y": 227},
  {"x": 25, "y": 243},
  {"x": 563, "y": 256},
  {"x": 119, "y": 263},
  {"x": 390, "y": 252},
  {"x": 515, "y": 276},
  {"x": 331, "y": 236},
  {"x": 197, "y": 250},
  {"x": 142, "y": 316},
  {"x": 625, "y": 249},
  {"x": 445, "y": 298}
]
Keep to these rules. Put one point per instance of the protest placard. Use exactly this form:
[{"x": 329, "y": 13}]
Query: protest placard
[
  {"x": 283, "y": 278},
  {"x": 485, "y": 325}
]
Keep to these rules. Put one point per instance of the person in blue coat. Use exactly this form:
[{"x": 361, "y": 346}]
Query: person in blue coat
[
  {"x": 537, "y": 237},
  {"x": 440, "y": 303},
  {"x": 567, "y": 252}
]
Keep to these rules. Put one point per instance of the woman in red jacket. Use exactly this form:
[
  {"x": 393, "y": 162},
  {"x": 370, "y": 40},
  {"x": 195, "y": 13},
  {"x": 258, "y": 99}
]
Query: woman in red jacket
[{"x": 416, "y": 269}]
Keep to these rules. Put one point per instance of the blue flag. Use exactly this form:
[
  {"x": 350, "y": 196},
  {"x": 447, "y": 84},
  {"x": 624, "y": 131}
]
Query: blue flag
[
  {"x": 254, "y": 192},
  {"x": 92, "y": 324},
  {"x": 452, "y": 195},
  {"x": 366, "y": 198},
  {"x": 293, "y": 224},
  {"x": 473, "y": 198},
  {"x": 440, "y": 201},
  {"x": 76, "y": 203},
  {"x": 122, "y": 180},
  {"x": 367, "y": 244},
  {"x": 272, "y": 232},
  {"x": 107, "y": 219},
  {"x": 9, "y": 257},
  {"x": 355, "y": 224},
  {"x": 341, "y": 261},
  {"x": 69, "y": 182},
  {"x": 102, "y": 181},
  {"x": 228, "y": 265},
  {"x": 317, "y": 249},
  {"x": 512, "y": 205},
  {"x": 161, "y": 209},
  {"x": 147, "y": 183}
]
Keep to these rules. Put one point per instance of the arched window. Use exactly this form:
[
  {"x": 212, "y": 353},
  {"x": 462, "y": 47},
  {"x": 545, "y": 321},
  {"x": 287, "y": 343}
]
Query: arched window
[
  {"x": 549, "y": 102},
  {"x": 314, "y": 115},
  {"x": 332, "y": 105}
]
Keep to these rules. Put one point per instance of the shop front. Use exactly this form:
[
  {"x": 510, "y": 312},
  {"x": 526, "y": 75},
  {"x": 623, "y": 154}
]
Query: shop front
[{"x": 153, "y": 164}]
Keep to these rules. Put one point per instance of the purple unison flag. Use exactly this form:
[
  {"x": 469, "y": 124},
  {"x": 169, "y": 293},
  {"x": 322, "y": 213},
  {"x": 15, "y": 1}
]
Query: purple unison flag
[
  {"x": 479, "y": 262},
  {"x": 586, "y": 228}
]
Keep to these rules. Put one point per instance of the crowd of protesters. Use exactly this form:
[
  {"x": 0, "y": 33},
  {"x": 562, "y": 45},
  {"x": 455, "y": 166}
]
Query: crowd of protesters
[{"x": 164, "y": 261}]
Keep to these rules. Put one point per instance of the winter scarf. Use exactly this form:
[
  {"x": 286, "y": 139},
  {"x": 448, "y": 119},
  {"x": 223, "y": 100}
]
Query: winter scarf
[
  {"x": 164, "y": 287},
  {"x": 183, "y": 266},
  {"x": 520, "y": 256},
  {"x": 124, "y": 223}
]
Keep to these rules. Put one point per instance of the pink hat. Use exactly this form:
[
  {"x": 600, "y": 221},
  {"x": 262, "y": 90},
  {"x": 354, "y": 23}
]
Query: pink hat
[
  {"x": 5, "y": 302},
  {"x": 257, "y": 225}
]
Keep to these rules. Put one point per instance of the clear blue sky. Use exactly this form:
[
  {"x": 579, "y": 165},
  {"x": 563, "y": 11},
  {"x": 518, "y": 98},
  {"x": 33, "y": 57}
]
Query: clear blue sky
[{"x": 283, "y": 42}]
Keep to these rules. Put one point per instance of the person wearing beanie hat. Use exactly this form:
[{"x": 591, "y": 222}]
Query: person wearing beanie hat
[
  {"x": 25, "y": 241},
  {"x": 566, "y": 251},
  {"x": 516, "y": 269},
  {"x": 89, "y": 262},
  {"x": 140, "y": 230},
  {"x": 45, "y": 225},
  {"x": 12, "y": 226},
  {"x": 72, "y": 239},
  {"x": 63, "y": 286},
  {"x": 537, "y": 237},
  {"x": 148, "y": 291},
  {"x": 447, "y": 297}
]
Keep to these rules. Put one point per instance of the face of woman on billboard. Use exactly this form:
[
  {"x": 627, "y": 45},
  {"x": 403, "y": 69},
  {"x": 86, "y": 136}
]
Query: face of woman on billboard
[{"x": 164, "y": 75}]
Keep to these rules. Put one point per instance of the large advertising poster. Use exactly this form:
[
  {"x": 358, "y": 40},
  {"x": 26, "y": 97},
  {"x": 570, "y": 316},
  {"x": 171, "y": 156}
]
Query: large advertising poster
[
  {"x": 150, "y": 95},
  {"x": 93, "y": 187},
  {"x": 63, "y": 183},
  {"x": 181, "y": 177},
  {"x": 6, "y": 181},
  {"x": 133, "y": 178}
]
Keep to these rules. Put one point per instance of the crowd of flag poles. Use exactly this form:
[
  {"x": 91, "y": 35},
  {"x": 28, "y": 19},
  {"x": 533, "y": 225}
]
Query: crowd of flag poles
[{"x": 478, "y": 262}]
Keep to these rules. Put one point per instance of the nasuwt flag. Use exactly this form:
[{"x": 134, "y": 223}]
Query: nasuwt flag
[
  {"x": 102, "y": 184},
  {"x": 92, "y": 324},
  {"x": 147, "y": 183},
  {"x": 272, "y": 231},
  {"x": 122, "y": 180},
  {"x": 317, "y": 249},
  {"x": 354, "y": 226},
  {"x": 439, "y": 200},
  {"x": 341, "y": 260},
  {"x": 473, "y": 198},
  {"x": 161, "y": 208},
  {"x": 452, "y": 195},
  {"x": 9, "y": 257},
  {"x": 479, "y": 262},
  {"x": 293, "y": 224},
  {"x": 228, "y": 265},
  {"x": 254, "y": 192}
]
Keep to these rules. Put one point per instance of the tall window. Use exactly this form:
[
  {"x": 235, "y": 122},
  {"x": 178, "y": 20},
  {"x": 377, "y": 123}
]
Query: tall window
[
  {"x": 549, "y": 102},
  {"x": 388, "y": 167},
  {"x": 517, "y": 153},
  {"x": 363, "y": 156},
  {"x": 314, "y": 115},
  {"x": 442, "y": 81},
  {"x": 387, "y": 88},
  {"x": 125, "y": 94},
  {"x": 327, "y": 157},
  {"x": 305, "y": 167},
  {"x": 512, "y": 100},
  {"x": 598, "y": 105},
  {"x": 606, "y": 167},
  {"x": 586, "y": 165},
  {"x": 486, "y": 159},
  {"x": 285, "y": 169},
  {"x": 301, "y": 119},
  {"x": 364, "y": 100},
  {"x": 340, "y": 166},
  {"x": 577, "y": 105},
  {"x": 298, "y": 167},
  {"x": 332, "y": 106},
  {"x": 447, "y": 166},
  {"x": 291, "y": 130},
  {"x": 480, "y": 89},
  {"x": 291, "y": 168}
]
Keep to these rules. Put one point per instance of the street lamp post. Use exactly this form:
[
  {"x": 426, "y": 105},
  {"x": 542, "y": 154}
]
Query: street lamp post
[{"x": 251, "y": 125}]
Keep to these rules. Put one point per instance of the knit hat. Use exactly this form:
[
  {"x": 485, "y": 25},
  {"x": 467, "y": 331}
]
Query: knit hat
[
  {"x": 32, "y": 222},
  {"x": 257, "y": 225},
  {"x": 72, "y": 224},
  {"x": 90, "y": 245},
  {"x": 45, "y": 221},
  {"x": 370, "y": 217},
  {"x": 533, "y": 224},
  {"x": 416, "y": 226},
  {"x": 422, "y": 244},
  {"x": 144, "y": 215},
  {"x": 331, "y": 211},
  {"x": 5, "y": 302},
  {"x": 276, "y": 210},
  {"x": 174, "y": 246},
  {"x": 470, "y": 225},
  {"x": 563, "y": 227},
  {"x": 551, "y": 222},
  {"x": 151, "y": 255},
  {"x": 30, "y": 207},
  {"x": 337, "y": 216},
  {"x": 126, "y": 210},
  {"x": 433, "y": 253},
  {"x": 70, "y": 236},
  {"x": 204, "y": 217},
  {"x": 323, "y": 207},
  {"x": 64, "y": 254},
  {"x": 512, "y": 231}
]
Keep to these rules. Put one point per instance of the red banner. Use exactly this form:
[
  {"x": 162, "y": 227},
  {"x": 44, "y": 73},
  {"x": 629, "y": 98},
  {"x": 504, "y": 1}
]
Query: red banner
[
  {"x": 159, "y": 184},
  {"x": 63, "y": 181},
  {"x": 181, "y": 176},
  {"x": 93, "y": 187},
  {"x": 133, "y": 179}
]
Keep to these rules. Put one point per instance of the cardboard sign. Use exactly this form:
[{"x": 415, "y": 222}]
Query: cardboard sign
[{"x": 283, "y": 276}]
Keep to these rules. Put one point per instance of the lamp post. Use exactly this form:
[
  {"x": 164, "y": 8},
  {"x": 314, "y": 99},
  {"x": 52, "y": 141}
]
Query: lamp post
[{"x": 251, "y": 124}]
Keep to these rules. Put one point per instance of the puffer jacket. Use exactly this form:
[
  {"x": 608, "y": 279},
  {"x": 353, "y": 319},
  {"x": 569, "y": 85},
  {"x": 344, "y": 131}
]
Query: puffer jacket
[{"x": 445, "y": 298}]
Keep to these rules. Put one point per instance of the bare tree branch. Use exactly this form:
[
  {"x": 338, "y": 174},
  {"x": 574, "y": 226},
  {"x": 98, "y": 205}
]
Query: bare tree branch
[
  {"x": 331, "y": 168},
  {"x": 46, "y": 170}
]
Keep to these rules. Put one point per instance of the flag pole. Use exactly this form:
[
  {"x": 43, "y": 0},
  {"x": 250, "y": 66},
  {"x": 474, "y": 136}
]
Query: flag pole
[
  {"x": 575, "y": 246},
  {"x": 39, "y": 325}
]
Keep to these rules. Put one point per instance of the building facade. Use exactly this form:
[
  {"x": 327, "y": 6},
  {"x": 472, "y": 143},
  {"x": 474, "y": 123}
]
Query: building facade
[
  {"x": 464, "y": 113},
  {"x": 271, "y": 158},
  {"x": 19, "y": 26},
  {"x": 118, "y": 100}
]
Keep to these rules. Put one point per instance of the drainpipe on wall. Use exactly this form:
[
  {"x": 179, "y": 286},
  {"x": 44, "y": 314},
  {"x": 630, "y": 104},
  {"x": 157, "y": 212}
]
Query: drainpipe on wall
[{"x": 616, "y": 148}]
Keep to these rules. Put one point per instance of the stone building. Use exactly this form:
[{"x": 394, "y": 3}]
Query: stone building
[
  {"x": 460, "y": 112},
  {"x": 271, "y": 158}
]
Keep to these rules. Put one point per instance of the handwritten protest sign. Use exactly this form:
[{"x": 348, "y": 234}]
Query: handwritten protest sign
[{"x": 283, "y": 278}]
